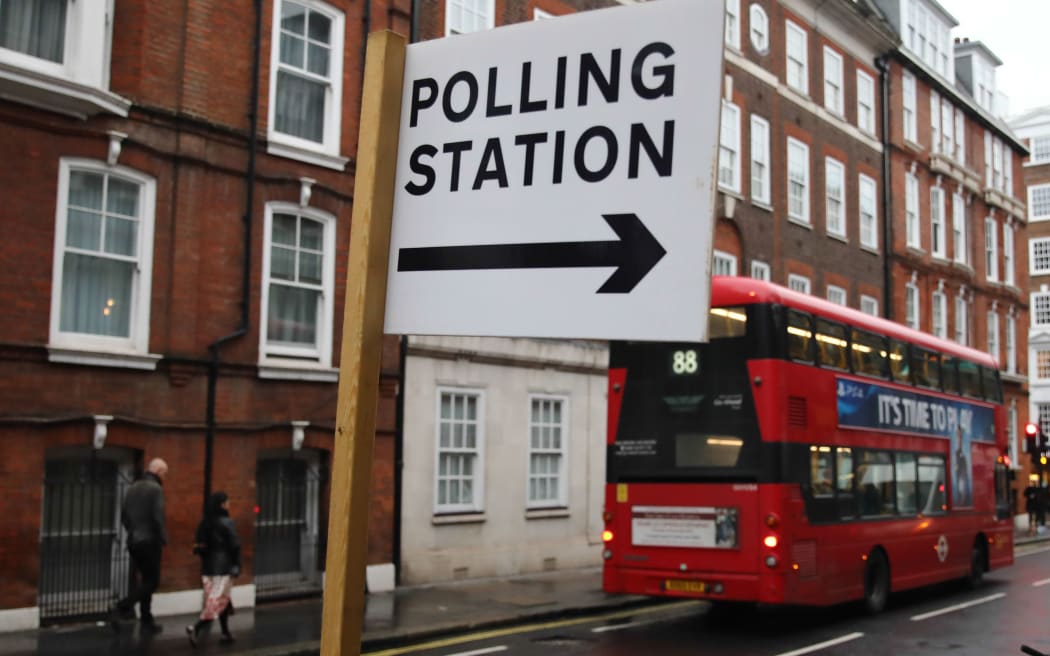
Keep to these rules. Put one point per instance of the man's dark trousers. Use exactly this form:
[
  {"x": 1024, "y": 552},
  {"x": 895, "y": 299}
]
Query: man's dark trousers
[{"x": 145, "y": 558}]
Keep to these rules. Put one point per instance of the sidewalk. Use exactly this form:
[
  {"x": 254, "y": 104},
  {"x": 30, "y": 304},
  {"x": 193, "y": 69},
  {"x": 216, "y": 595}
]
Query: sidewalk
[{"x": 293, "y": 628}]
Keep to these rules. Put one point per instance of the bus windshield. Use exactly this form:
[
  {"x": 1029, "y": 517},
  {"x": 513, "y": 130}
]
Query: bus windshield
[{"x": 686, "y": 410}]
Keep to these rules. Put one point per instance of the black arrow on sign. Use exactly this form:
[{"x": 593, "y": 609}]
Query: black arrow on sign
[{"x": 634, "y": 255}]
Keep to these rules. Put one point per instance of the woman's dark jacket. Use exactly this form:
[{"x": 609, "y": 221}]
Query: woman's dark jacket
[{"x": 218, "y": 547}]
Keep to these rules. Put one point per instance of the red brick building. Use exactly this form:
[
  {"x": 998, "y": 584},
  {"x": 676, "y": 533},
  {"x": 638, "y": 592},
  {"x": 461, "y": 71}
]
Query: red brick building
[
  {"x": 800, "y": 168},
  {"x": 1033, "y": 127},
  {"x": 180, "y": 186},
  {"x": 958, "y": 226}
]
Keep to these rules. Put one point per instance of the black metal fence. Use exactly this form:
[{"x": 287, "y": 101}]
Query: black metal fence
[
  {"x": 289, "y": 552},
  {"x": 83, "y": 562}
]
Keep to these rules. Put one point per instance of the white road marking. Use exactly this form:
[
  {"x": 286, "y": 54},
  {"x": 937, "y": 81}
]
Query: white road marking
[
  {"x": 476, "y": 652},
  {"x": 1039, "y": 583},
  {"x": 952, "y": 609},
  {"x": 616, "y": 627},
  {"x": 822, "y": 645}
]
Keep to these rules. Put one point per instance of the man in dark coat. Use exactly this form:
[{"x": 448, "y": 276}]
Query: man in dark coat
[{"x": 142, "y": 515}]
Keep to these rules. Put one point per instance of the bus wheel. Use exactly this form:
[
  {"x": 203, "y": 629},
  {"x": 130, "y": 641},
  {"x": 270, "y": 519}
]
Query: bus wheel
[
  {"x": 976, "y": 575},
  {"x": 876, "y": 582}
]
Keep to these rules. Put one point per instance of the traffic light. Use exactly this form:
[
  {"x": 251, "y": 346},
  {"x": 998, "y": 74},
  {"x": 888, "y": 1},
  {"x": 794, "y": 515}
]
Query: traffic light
[{"x": 1033, "y": 438}]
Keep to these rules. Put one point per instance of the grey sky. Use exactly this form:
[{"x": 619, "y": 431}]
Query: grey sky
[{"x": 1013, "y": 30}]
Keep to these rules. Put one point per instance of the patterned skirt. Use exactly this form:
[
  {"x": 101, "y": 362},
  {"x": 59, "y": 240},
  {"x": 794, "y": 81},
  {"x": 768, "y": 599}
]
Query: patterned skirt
[{"x": 217, "y": 591}]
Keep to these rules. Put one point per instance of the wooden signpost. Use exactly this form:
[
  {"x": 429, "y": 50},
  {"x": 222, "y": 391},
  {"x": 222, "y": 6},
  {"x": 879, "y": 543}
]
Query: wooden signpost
[{"x": 344, "y": 591}]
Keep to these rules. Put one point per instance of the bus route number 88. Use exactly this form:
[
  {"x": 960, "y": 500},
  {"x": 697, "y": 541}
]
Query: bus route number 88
[{"x": 685, "y": 362}]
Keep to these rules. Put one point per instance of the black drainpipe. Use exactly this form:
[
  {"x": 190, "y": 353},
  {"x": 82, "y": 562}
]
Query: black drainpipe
[
  {"x": 882, "y": 63},
  {"x": 249, "y": 193}
]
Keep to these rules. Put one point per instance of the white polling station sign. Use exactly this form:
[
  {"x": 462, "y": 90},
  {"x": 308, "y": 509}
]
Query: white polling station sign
[{"x": 556, "y": 178}]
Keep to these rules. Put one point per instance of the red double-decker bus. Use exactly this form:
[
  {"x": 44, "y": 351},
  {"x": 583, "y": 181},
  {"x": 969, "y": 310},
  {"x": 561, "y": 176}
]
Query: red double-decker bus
[{"x": 806, "y": 454}]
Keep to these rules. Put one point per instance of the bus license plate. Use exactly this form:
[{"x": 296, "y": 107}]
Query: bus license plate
[{"x": 678, "y": 585}]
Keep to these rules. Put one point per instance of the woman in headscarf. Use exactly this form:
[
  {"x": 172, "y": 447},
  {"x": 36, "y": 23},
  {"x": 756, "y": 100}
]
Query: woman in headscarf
[{"x": 220, "y": 551}]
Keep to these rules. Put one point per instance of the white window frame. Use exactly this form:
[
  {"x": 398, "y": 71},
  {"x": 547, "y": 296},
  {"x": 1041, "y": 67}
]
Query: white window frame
[
  {"x": 798, "y": 156},
  {"x": 1041, "y": 364},
  {"x": 938, "y": 237},
  {"x": 909, "y": 106},
  {"x": 935, "y": 122},
  {"x": 325, "y": 153},
  {"x": 300, "y": 356},
  {"x": 1009, "y": 276},
  {"x": 960, "y": 136},
  {"x": 79, "y": 84},
  {"x": 760, "y": 270},
  {"x": 833, "y": 85},
  {"x": 869, "y": 212},
  {"x": 837, "y": 295},
  {"x": 1040, "y": 151},
  {"x": 1039, "y": 256},
  {"x": 1040, "y": 309},
  {"x": 729, "y": 150},
  {"x": 991, "y": 249},
  {"x": 869, "y": 305},
  {"x": 939, "y": 313},
  {"x": 131, "y": 351},
  {"x": 911, "y": 305},
  {"x": 947, "y": 131},
  {"x": 451, "y": 27},
  {"x": 561, "y": 500},
  {"x": 865, "y": 102},
  {"x": 799, "y": 283},
  {"x": 835, "y": 199},
  {"x": 1039, "y": 202},
  {"x": 962, "y": 321},
  {"x": 993, "y": 334},
  {"x": 959, "y": 246},
  {"x": 1011, "y": 344},
  {"x": 913, "y": 234},
  {"x": 797, "y": 71},
  {"x": 540, "y": 14},
  {"x": 732, "y": 27},
  {"x": 723, "y": 264},
  {"x": 760, "y": 169},
  {"x": 759, "y": 28},
  {"x": 477, "y": 477}
]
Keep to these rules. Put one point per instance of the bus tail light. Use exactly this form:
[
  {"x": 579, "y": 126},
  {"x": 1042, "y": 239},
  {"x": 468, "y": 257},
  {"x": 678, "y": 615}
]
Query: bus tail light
[
  {"x": 607, "y": 536},
  {"x": 770, "y": 541},
  {"x": 607, "y": 516},
  {"x": 771, "y": 561},
  {"x": 772, "y": 521}
]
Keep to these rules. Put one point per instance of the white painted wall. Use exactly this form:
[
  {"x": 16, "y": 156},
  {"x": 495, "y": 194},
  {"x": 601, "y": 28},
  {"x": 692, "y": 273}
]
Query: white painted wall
[{"x": 505, "y": 538}]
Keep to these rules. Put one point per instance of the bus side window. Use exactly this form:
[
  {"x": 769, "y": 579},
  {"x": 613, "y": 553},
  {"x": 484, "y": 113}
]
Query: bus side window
[
  {"x": 844, "y": 482},
  {"x": 875, "y": 484},
  {"x": 926, "y": 367},
  {"x": 932, "y": 485},
  {"x": 899, "y": 365},
  {"x": 907, "y": 488},
  {"x": 820, "y": 485},
  {"x": 992, "y": 390},
  {"x": 949, "y": 374},
  {"x": 800, "y": 336},
  {"x": 868, "y": 352},
  {"x": 831, "y": 344},
  {"x": 969, "y": 379}
]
